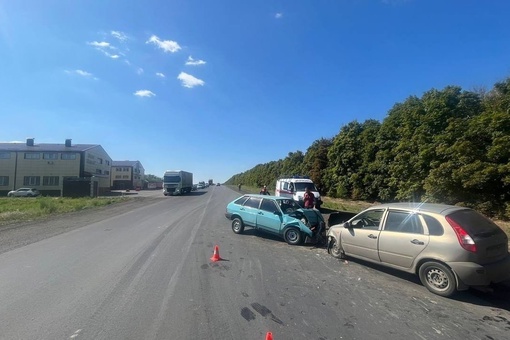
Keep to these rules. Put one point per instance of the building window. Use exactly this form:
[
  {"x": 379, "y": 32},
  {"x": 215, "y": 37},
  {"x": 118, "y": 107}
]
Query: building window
[
  {"x": 4, "y": 180},
  {"x": 5, "y": 155},
  {"x": 106, "y": 172},
  {"x": 31, "y": 180},
  {"x": 118, "y": 176},
  {"x": 100, "y": 160},
  {"x": 118, "y": 169},
  {"x": 50, "y": 155},
  {"x": 125, "y": 176},
  {"x": 50, "y": 180},
  {"x": 107, "y": 162},
  {"x": 125, "y": 169},
  {"x": 98, "y": 171},
  {"x": 32, "y": 155},
  {"x": 68, "y": 156}
]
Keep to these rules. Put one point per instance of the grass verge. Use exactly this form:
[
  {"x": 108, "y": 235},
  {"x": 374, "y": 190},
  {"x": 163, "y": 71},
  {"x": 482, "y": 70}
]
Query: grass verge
[{"x": 27, "y": 209}]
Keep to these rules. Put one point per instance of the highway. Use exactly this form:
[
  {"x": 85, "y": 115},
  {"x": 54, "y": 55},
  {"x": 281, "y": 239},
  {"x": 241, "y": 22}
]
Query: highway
[{"x": 146, "y": 273}]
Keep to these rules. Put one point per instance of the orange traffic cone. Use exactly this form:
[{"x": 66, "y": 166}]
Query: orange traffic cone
[
  {"x": 269, "y": 336},
  {"x": 216, "y": 254}
]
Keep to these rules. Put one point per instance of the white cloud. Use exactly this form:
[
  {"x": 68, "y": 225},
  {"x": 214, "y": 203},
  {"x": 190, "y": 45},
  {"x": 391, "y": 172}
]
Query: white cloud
[
  {"x": 165, "y": 45},
  {"x": 193, "y": 62},
  {"x": 187, "y": 80},
  {"x": 82, "y": 73},
  {"x": 278, "y": 15},
  {"x": 113, "y": 56},
  {"x": 144, "y": 93},
  {"x": 119, "y": 35},
  {"x": 139, "y": 71},
  {"x": 161, "y": 75},
  {"x": 102, "y": 44}
]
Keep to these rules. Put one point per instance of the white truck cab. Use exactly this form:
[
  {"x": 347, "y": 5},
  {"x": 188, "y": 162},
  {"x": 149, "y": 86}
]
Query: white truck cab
[{"x": 295, "y": 186}]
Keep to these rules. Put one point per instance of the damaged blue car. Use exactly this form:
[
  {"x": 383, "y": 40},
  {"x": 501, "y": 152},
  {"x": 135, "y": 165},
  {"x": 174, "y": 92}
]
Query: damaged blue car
[{"x": 279, "y": 216}]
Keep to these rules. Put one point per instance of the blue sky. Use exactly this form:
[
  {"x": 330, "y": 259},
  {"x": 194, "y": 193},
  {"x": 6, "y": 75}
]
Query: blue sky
[{"x": 217, "y": 87}]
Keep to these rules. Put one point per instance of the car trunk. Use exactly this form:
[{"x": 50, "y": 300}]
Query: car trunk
[{"x": 491, "y": 242}]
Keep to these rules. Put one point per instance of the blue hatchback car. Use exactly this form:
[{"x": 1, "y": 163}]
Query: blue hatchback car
[{"x": 280, "y": 216}]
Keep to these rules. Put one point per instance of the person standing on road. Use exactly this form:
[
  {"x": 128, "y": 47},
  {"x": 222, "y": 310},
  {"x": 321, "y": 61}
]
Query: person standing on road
[
  {"x": 308, "y": 199},
  {"x": 264, "y": 191},
  {"x": 239, "y": 186}
]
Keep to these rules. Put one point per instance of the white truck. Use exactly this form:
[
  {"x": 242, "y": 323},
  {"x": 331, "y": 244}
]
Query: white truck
[
  {"x": 295, "y": 186},
  {"x": 177, "y": 182}
]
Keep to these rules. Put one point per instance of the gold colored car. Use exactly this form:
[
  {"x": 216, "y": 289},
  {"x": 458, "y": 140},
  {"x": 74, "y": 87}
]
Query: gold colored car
[{"x": 450, "y": 248}]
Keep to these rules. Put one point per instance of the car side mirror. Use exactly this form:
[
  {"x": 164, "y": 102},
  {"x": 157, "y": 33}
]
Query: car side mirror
[
  {"x": 276, "y": 212},
  {"x": 347, "y": 225}
]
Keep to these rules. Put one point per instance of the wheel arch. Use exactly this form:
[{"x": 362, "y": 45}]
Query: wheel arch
[{"x": 458, "y": 283}]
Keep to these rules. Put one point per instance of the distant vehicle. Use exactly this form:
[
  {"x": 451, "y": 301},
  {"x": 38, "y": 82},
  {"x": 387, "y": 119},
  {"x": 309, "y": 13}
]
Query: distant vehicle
[
  {"x": 24, "y": 192},
  {"x": 211, "y": 182},
  {"x": 449, "y": 247},
  {"x": 177, "y": 182},
  {"x": 195, "y": 187},
  {"x": 201, "y": 185},
  {"x": 280, "y": 216},
  {"x": 294, "y": 187},
  {"x": 218, "y": 184}
]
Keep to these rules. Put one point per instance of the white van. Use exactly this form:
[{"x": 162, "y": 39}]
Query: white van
[{"x": 295, "y": 187}]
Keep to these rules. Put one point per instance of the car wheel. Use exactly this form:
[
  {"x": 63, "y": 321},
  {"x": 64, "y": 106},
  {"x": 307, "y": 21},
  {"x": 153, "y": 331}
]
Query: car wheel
[
  {"x": 438, "y": 278},
  {"x": 335, "y": 249},
  {"x": 237, "y": 225},
  {"x": 292, "y": 236}
]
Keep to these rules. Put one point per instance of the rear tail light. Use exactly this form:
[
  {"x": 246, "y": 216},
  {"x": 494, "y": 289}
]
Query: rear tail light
[{"x": 465, "y": 240}]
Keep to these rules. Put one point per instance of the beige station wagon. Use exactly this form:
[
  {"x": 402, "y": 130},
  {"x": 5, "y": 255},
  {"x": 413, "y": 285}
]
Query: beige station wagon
[{"x": 449, "y": 247}]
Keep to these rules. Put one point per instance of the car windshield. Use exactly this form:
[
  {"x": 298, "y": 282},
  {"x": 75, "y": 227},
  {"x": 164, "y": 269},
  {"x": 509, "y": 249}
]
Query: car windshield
[
  {"x": 301, "y": 186},
  {"x": 288, "y": 206},
  {"x": 172, "y": 179}
]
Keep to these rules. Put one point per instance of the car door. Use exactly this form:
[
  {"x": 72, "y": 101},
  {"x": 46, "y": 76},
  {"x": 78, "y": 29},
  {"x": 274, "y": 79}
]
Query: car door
[
  {"x": 361, "y": 238},
  {"x": 249, "y": 211},
  {"x": 402, "y": 238},
  {"x": 269, "y": 217}
]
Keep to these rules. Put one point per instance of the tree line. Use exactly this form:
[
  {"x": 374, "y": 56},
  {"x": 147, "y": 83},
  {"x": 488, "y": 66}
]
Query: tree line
[{"x": 449, "y": 146}]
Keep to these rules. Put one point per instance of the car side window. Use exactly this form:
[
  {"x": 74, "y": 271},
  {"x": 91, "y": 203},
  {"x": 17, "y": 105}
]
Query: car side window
[
  {"x": 368, "y": 220},
  {"x": 241, "y": 200},
  {"x": 252, "y": 202},
  {"x": 434, "y": 226},
  {"x": 268, "y": 205},
  {"x": 403, "y": 222}
]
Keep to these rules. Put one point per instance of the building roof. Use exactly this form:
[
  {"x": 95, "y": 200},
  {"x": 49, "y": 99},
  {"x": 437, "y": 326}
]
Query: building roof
[
  {"x": 125, "y": 163},
  {"x": 45, "y": 147}
]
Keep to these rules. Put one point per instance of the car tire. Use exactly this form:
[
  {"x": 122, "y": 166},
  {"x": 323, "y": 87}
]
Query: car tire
[
  {"x": 438, "y": 278},
  {"x": 237, "y": 225},
  {"x": 335, "y": 249},
  {"x": 293, "y": 236}
]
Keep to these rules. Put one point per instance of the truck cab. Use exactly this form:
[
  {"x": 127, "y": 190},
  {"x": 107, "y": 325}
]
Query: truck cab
[{"x": 294, "y": 187}]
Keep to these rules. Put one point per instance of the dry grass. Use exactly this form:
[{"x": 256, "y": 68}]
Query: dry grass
[{"x": 26, "y": 209}]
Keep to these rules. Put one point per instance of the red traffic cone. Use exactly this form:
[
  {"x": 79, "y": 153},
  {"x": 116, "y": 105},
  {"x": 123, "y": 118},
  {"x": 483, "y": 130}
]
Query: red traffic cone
[
  {"x": 216, "y": 254},
  {"x": 269, "y": 336}
]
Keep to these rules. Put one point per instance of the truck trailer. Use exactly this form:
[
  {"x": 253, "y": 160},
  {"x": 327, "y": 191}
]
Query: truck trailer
[{"x": 177, "y": 182}]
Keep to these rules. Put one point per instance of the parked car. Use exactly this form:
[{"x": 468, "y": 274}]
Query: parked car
[
  {"x": 24, "y": 192},
  {"x": 450, "y": 248},
  {"x": 279, "y": 216}
]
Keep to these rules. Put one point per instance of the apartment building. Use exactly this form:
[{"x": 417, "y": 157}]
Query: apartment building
[
  {"x": 127, "y": 175},
  {"x": 55, "y": 169}
]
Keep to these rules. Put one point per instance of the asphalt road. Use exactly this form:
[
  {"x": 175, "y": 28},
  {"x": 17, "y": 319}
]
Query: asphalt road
[{"x": 143, "y": 271}]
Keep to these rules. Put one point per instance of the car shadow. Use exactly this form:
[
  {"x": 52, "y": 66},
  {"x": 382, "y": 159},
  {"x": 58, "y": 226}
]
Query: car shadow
[
  {"x": 495, "y": 296},
  {"x": 252, "y": 232},
  {"x": 196, "y": 193}
]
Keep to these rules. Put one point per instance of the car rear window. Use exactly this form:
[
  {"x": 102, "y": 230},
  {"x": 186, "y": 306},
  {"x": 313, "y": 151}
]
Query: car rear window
[{"x": 475, "y": 224}]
